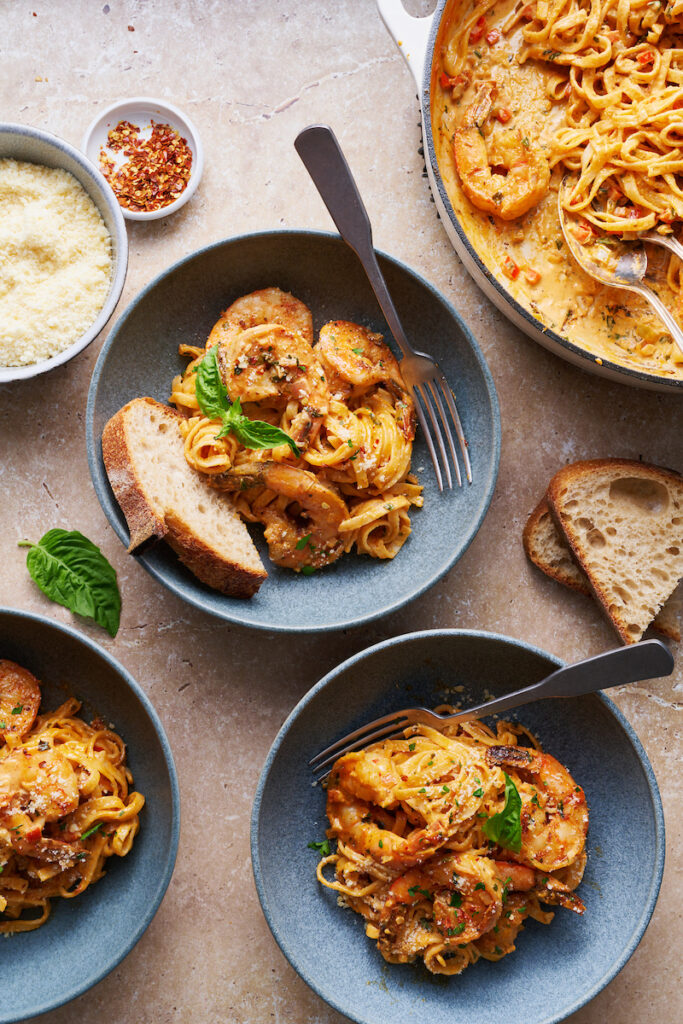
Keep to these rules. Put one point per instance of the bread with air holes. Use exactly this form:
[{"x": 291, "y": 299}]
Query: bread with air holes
[
  {"x": 547, "y": 549},
  {"x": 162, "y": 497},
  {"x": 623, "y": 522}
]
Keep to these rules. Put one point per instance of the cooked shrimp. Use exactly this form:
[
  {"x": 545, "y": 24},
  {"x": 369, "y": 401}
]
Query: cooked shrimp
[
  {"x": 520, "y": 878},
  {"x": 464, "y": 902},
  {"x": 268, "y": 363},
  {"x": 554, "y": 812},
  {"x": 359, "y": 792},
  {"x": 503, "y": 176},
  {"x": 267, "y": 306},
  {"x": 355, "y": 359},
  {"x": 304, "y": 529},
  {"x": 42, "y": 784},
  {"x": 497, "y": 943},
  {"x": 19, "y": 699}
]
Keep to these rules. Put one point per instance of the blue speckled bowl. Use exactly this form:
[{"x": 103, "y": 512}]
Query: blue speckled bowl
[
  {"x": 85, "y": 938},
  {"x": 557, "y": 968},
  {"x": 25, "y": 143},
  {"x": 140, "y": 358}
]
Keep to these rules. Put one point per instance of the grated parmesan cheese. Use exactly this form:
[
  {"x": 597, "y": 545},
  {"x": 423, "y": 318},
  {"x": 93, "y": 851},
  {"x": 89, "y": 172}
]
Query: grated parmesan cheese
[{"x": 55, "y": 262}]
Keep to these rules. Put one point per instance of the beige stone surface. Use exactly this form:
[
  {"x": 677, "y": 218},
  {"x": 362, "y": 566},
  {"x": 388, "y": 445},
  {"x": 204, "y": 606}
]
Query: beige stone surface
[{"x": 251, "y": 75}]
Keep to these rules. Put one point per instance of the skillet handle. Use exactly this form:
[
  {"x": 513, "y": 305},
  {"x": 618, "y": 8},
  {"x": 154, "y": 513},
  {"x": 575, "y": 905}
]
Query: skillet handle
[{"x": 411, "y": 35}]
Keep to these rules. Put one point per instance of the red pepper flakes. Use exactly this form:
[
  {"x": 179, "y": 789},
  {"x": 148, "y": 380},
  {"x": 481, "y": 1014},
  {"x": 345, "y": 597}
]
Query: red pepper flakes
[{"x": 156, "y": 170}]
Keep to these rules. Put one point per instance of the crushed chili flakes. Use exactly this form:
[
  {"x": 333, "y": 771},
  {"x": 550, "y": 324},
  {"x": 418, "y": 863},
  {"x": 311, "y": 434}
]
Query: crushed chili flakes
[{"x": 156, "y": 170}]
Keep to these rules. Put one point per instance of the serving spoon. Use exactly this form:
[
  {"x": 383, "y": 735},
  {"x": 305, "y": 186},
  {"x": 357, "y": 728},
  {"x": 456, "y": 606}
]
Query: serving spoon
[{"x": 630, "y": 270}]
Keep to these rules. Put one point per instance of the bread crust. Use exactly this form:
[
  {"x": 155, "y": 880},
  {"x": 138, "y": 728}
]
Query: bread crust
[
  {"x": 145, "y": 524},
  {"x": 533, "y": 552},
  {"x": 664, "y": 622},
  {"x": 597, "y": 468}
]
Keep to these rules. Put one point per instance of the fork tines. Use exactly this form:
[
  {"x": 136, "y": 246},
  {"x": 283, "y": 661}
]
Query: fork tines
[
  {"x": 381, "y": 728},
  {"x": 432, "y": 394}
]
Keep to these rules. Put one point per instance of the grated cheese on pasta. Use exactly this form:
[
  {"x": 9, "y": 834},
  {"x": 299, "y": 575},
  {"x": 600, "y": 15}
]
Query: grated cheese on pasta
[{"x": 55, "y": 262}]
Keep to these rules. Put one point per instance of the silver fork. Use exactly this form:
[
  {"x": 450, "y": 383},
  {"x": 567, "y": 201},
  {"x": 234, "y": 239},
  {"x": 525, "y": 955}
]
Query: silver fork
[
  {"x": 645, "y": 660},
  {"x": 322, "y": 156}
]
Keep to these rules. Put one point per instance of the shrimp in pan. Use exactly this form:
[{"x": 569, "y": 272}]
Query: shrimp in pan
[{"x": 502, "y": 175}]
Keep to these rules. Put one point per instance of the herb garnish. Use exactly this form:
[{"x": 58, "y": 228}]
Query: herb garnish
[
  {"x": 505, "y": 828},
  {"x": 212, "y": 396},
  {"x": 322, "y": 848},
  {"x": 93, "y": 830},
  {"x": 72, "y": 571}
]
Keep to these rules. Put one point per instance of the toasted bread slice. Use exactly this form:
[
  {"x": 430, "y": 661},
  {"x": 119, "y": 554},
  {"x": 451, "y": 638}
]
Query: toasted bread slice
[
  {"x": 162, "y": 497},
  {"x": 546, "y": 548},
  {"x": 623, "y": 521}
]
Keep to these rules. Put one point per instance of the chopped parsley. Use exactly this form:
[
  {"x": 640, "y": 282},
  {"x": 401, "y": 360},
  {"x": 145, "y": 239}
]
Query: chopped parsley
[
  {"x": 415, "y": 889},
  {"x": 301, "y": 544},
  {"x": 92, "y": 831},
  {"x": 322, "y": 848}
]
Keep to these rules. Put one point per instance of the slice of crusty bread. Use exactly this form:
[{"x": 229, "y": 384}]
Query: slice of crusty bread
[
  {"x": 162, "y": 497},
  {"x": 547, "y": 549},
  {"x": 623, "y": 521}
]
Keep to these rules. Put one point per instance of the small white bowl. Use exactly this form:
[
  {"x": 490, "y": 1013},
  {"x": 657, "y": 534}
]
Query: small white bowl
[
  {"x": 141, "y": 110},
  {"x": 24, "y": 143}
]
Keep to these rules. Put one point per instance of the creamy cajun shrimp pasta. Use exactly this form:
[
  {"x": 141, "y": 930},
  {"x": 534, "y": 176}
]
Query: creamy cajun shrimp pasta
[
  {"x": 66, "y": 801},
  {"x": 447, "y": 841},
  {"x": 318, "y": 439},
  {"x": 526, "y": 93}
]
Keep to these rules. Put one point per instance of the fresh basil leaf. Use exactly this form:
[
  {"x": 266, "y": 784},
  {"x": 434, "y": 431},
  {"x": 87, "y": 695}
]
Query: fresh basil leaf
[
  {"x": 505, "y": 828},
  {"x": 72, "y": 571},
  {"x": 212, "y": 395},
  {"x": 257, "y": 434},
  {"x": 213, "y": 400}
]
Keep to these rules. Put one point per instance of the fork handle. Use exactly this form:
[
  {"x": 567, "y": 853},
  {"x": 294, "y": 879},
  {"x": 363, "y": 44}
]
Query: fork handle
[
  {"x": 646, "y": 660},
  {"x": 662, "y": 312},
  {"x": 322, "y": 157}
]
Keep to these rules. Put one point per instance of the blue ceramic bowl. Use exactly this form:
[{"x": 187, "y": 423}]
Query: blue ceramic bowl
[
  {"x": 140, "y": 357},
  {"x": 85, "y": 938},
  {"x": 25, "y": 143},
  {"x": 557, "y": 968}
]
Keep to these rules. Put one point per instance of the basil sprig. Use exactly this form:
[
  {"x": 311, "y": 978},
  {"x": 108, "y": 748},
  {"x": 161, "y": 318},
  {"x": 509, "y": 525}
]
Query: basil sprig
[
  {"x": 73, "y": 572},
  {"x": 212, "y": 396},
  {"x": 505, "y": 828}
]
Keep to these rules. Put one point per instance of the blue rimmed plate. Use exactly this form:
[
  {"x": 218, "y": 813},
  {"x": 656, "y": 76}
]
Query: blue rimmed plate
[
  {"x": 140, "y": 357},
  {"x": 85, "y": 938},
  {"x": 556, "y": 969}
]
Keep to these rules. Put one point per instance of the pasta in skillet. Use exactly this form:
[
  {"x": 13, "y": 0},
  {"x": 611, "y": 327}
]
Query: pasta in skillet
[{"x": 528, "y": 92}]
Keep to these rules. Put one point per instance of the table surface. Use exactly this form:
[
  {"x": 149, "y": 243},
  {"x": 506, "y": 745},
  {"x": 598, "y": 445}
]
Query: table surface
[{"x": 251, "y": 75}]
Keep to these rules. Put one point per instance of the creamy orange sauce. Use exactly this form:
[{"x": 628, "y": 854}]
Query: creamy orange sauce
[{"x": 609, "y": 323}]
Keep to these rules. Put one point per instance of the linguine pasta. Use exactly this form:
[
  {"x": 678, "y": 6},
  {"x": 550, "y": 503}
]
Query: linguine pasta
[
  {"x": 350, "y": 486},
  {"x": 447, "y": 841},
  {"x": 66, "y": 805},
  {"x": 590, "y": 91}
]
